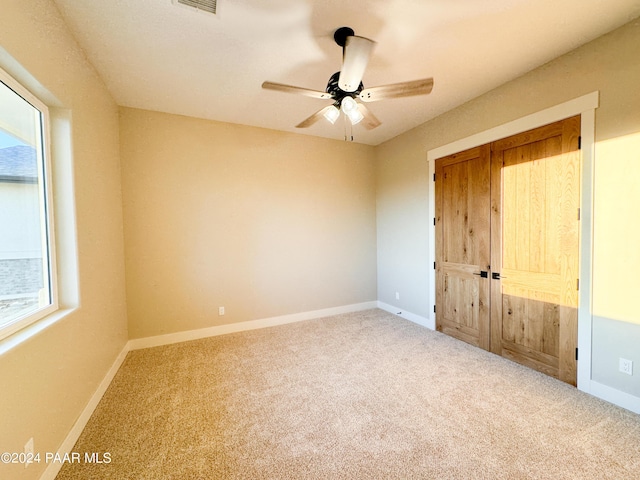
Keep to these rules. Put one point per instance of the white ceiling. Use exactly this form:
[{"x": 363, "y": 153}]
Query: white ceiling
[{"x": 155, "y": 55}]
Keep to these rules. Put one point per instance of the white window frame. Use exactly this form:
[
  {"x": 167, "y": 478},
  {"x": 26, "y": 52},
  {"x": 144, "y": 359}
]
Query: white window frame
[{"x": 46, "y": 199}]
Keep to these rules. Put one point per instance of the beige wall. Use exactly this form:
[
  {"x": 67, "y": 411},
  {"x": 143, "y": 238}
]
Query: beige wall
[
  {"x": 46, "y": 381},
  {"x": 263, "y": 223},
  {"x": 609, "y": 64}
]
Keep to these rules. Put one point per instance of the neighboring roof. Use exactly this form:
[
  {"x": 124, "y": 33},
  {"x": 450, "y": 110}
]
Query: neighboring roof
[{"x": 18, "y": 164}]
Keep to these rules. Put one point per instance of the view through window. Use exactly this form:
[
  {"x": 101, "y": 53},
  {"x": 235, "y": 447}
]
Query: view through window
[{"x": 26, "y": 267}]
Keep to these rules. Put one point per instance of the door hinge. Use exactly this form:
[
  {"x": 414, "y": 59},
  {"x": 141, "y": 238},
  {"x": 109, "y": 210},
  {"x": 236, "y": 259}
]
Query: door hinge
[
  {"x": 434, "y": 265},
  {"x": 434, "y": 220},
  {"x": 434, "y": 309},
  {"x": 434, "y": 177},
  {"x": 580, "y": 143},
  {"x": 577, "y": 284},
  {"x": 576, "y": 354},
  {"x": 578, "y": 214}
]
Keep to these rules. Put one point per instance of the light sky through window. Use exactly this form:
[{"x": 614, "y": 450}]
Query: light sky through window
[{"x": 7, "y": 140}]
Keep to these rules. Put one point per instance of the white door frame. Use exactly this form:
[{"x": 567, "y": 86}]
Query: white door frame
[{"x": 585, "y": 106}]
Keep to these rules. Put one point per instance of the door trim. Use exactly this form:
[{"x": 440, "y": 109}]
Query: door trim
[{"x": 585, "y": 107}]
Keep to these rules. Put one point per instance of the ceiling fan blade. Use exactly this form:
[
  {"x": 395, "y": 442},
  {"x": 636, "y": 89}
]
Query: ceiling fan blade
[
  {"x": 355, "y": 58},
  {"x": 397, "y": 90},
  {"x": 313, "y": 118},
  {"x": 280, "y": 87},
  {"x": 370, "y": 121}
]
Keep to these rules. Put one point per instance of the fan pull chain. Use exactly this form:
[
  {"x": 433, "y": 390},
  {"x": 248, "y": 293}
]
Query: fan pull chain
[{"x": 348, "y": 129}]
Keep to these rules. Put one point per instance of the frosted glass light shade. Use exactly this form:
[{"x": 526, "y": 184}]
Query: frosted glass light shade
[
  {"x": 332, "y": 114},
  {"x": 350, "y": 108}
]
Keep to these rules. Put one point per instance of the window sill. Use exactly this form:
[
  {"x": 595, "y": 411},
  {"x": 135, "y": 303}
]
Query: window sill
[{"x": 9, "y": 343}]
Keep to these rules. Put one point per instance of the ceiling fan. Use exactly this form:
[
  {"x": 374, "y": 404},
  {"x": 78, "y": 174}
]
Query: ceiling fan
[{"x": 346, "y": 86}]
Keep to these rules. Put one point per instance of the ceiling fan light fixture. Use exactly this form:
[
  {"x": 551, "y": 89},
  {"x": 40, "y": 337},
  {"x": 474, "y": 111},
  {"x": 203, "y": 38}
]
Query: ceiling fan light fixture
[
  {"x": 350, "y": 108},
  {"x": 348, "y": 104},
  {"x": 346, "y": 85},
  {"x": 355, "y": 117},
  {"x": 332, "y": 114}
]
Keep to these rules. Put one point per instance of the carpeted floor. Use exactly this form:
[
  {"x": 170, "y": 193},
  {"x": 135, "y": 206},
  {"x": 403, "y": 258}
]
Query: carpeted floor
[{"x": 365, "y": 395}]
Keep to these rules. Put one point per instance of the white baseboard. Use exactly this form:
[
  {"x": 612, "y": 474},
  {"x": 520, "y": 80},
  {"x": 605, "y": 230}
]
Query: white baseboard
[
  {"x": 617, "y": 397},
  {"x": 425, "y": 322},
  {"x": 158, "y": 340},
  {"x": 72, "y": 437}
]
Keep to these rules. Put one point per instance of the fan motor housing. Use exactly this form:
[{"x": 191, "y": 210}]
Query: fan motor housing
[{"x": 337, "y": 93}]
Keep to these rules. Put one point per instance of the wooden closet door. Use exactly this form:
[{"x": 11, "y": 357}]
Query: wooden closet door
[
  {"x": 462, "y": 191},
  {"x": 535, "y": 196}
]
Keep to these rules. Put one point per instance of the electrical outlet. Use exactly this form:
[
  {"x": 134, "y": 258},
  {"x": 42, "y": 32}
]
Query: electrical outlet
[
  {"x": 28, "y": 451},
  {"x": 220, "y": 311},
  {"x": 397, "y": 295},
  {"x": 626, "y": 366}
]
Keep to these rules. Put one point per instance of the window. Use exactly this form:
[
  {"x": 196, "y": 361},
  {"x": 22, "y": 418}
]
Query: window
[{"x": 27, "y": 267}]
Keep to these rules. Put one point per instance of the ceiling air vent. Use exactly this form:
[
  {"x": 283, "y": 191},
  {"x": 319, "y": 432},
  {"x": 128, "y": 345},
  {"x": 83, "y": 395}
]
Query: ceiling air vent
[{"x": 202, "y": 5}]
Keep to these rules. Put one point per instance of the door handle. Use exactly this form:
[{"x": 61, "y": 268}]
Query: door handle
[
  {"x": 496, "y": 276},
  {"x": 483, "y": 274}
]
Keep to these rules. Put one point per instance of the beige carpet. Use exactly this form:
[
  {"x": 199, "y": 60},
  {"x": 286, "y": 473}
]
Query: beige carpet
[{"x": 365, "y": 395}]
